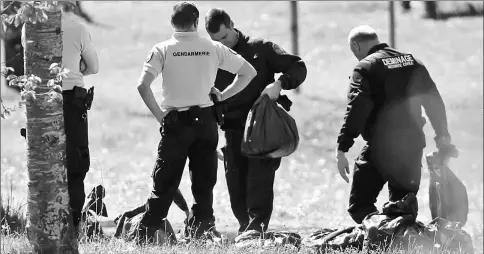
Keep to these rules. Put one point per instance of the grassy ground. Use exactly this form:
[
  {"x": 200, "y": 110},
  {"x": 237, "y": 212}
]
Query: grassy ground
[{"x": 309, "y": 192}]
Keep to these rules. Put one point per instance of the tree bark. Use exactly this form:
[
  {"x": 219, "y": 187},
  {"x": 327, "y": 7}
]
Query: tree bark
[{"x": 50, "y": 227}]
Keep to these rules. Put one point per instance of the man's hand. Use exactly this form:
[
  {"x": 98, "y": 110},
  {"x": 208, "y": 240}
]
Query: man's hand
[
  {"x": 445, "y": 147},
  {"x": 82, "y": 66},
  {"x": 220, "y": 154},
  {"x": 273, "y": 90},
  {"x": 188, "y": 213},
  {"x": 160, "y": 117},
  {"x": 217, "y": 93},
  {"x": 343, "y": 165}
]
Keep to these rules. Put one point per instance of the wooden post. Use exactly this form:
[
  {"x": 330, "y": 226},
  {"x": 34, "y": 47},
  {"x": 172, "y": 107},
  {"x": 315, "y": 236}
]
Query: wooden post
[
  {"x": 294, "y": 32},
  {"x": 392, "y": 23}
]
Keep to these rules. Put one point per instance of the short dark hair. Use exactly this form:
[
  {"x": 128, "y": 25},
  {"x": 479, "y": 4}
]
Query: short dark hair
[
  {"x": 184, "y": 14},
  {"x": 216, "y": 17}
]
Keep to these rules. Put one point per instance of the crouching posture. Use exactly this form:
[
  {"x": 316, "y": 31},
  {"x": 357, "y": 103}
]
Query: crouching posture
[
  {"x": 387, "y": 91},
  {"x": 90, "y": 227}
]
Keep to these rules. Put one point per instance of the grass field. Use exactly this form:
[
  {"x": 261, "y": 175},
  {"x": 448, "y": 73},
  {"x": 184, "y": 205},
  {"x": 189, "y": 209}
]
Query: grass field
[{"x": 309, "y": 192}]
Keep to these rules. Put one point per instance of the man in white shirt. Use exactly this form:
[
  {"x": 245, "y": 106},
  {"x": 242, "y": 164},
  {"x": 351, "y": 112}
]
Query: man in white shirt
[
  {"x": 188, "y": 65},
  {"x": 80, "y": 58}
]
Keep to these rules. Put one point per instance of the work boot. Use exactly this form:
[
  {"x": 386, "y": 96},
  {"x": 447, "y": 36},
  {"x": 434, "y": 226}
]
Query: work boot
[
  {"x": 242, "y": 228},
  {"x": 200, "y": 229},
  {"x": 141, "y": 233}
]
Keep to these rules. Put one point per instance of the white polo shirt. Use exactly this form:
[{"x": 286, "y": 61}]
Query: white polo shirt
[
  {"x": 188, "y": 64},
  {"x": 76, "y": 42}
]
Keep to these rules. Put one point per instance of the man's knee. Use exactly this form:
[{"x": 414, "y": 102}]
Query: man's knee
[
  {"x": 399, "y": 191},
  {"x": 358, "y": 214},
  {"x": 203, "y": 167}
]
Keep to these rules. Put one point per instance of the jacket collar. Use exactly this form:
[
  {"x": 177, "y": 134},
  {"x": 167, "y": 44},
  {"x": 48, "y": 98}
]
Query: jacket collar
[
  {"x": 242, "y": 42},
  {"x": 178, "y": 35},
  {"x": 377, "y": 47}
]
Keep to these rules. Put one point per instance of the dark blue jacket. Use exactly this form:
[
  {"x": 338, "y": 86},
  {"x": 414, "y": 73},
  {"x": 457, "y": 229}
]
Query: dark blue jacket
[
  {"x": 387, "y": 91},
  {"x": 267, "y": 58}
]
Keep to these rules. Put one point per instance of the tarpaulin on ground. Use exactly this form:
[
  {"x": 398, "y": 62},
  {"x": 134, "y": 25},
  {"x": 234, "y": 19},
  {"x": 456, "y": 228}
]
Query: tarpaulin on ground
[
  {"x": 270, "y": 132},
  {"x": 395, "y": 227},
  {"x": 253, "y": 238}
]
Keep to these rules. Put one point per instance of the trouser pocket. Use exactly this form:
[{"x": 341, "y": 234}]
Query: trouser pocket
[{"x": 170, "y": 123}]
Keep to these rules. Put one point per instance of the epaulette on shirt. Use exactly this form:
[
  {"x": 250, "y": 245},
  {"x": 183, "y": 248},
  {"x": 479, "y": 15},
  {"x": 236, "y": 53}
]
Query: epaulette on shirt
[{"x": 257, "y": 40}]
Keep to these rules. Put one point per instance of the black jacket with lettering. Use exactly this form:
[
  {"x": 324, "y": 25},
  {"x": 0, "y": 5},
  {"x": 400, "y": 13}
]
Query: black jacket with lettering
[
  {"x": 267, "y": 58},
  {"x": 387, "y": 91}
]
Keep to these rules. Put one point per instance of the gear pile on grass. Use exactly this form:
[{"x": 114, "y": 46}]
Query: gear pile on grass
[{"x": 394, "y": 228}]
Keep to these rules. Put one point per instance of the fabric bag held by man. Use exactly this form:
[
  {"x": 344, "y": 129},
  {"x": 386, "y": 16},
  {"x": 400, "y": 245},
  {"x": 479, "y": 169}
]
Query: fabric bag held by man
[
  {"x": 270, "y": 132},
  {"x": 448, "y": 197}
]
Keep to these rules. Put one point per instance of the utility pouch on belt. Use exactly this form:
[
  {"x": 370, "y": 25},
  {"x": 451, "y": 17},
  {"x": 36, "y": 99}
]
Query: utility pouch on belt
[
  {"x": 218, "y": 110},
  {"x": 83, "y": 98},
  {"x": 89, "y": 98}
]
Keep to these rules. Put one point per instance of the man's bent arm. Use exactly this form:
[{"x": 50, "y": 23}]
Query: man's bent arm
[
  {"x": 359, "y": 108},
  {"x": 292, "y": 67},
  {"x": 92, "y": 64},
  {"x": 88, "y": 53},
  {"x": 144, "y": 89},
  {"x": 244, "y": 75}
]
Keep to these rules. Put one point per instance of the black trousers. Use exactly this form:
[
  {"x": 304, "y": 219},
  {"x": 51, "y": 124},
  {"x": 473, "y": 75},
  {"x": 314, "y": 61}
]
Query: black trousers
[
  {"x": 193, "y": 135},
  {"x": 398, "y": 164},
  {"x": 77, "y": 153},
  {"x": 250, "y": 183}
]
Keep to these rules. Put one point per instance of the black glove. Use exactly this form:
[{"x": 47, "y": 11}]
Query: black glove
[{"x": 445, "y": 147}]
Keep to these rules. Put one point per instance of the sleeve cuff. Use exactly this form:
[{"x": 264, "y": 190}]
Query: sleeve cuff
[
  {"x": 343, "y": 148},
  {"x": 344, "y": 145},
  {"x": 284, "y": 82},
  {"x": 151, "y": 70}
]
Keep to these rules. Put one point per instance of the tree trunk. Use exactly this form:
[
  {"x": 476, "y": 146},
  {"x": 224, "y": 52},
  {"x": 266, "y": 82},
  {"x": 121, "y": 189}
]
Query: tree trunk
[
  {"x": 50, "y": 227},
  {"x": 2, "y": 56}
]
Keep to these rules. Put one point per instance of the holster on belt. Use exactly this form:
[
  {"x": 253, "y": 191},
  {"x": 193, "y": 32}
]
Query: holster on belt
[
  {"x": 83, "y": 98},
  {"x": 218, "y": 110}
]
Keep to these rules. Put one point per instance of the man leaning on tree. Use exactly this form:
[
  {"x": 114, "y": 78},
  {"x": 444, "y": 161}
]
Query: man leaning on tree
[{"x": 79, "y": 56}]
